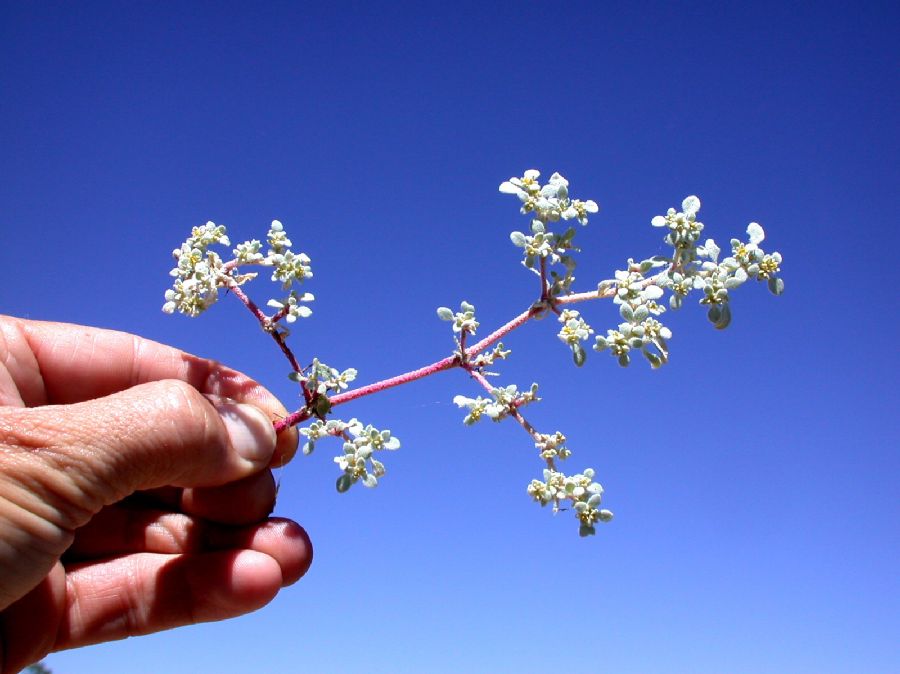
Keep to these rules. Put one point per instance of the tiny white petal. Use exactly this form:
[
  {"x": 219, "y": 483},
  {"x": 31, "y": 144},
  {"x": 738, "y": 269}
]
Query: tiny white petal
[
  {"x": 691, "y": 204},
  {"x": 652, "y": 293},
  {"x": 755, "y": 232}
]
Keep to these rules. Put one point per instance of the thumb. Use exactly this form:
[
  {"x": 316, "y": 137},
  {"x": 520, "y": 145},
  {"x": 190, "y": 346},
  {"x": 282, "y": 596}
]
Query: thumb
[{"x": 78, "y": 458}]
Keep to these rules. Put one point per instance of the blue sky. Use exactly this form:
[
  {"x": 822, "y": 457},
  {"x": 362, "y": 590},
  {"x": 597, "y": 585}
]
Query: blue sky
[{"x": 753, "y": 478}]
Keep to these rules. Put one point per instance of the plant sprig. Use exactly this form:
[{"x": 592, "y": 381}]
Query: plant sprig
[{"x": 638, "y": 291}]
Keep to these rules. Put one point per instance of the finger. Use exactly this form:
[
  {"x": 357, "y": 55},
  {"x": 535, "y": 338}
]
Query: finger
[
  {"x": 60, "y": 363},
  {"x": 162, "y": 592},
  {"x": 144, "y": 593},
  {"x": 242, "y": 502},
  {"x": 120, "y": 531},
  {"x": 77, "y": 458}
]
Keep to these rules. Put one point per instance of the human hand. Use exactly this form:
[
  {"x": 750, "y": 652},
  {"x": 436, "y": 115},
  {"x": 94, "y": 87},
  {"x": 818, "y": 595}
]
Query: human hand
[{"x": 134, "y": 490}]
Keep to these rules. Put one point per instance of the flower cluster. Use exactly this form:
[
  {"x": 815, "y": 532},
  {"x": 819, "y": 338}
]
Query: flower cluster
[
  {"x": 291, "y": 306},
  {"x": 684, "y": 229},
  {"x": 552, "y": 447},
  {"x": 638, "y": 291},
  {"x": 360, "y": 443},
  {"x": 580, "y": 490},
  {"x": 463, "y": 320},
  {"x": 319, "y": 429},
  {"x": 503, "y": 400},
  {"x": 324, "y": 379},
  {"x": 357, "y": 461},
  {"x": 696, "y": 267},
  {"x": 547, "y": 204},
  {"x": 550, "y": 202},
  {"x": 487, "y": 358},
  {"x": 574, "y": 331},
  {"x": 636, "y": 297},
  {"x": 198, "y": 272}
]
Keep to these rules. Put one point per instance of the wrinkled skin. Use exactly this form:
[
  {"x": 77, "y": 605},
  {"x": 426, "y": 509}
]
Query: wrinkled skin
[{"x": 135, "y": 489}]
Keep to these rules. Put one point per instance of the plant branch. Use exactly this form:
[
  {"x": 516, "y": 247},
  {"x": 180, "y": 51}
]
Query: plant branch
[
  {"x": 268, "y": 325},
  {"x": 447, "y": 363}
]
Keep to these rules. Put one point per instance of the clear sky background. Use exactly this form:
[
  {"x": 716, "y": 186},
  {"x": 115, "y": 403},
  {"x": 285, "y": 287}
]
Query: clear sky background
[{"x": 754, "y": 478}]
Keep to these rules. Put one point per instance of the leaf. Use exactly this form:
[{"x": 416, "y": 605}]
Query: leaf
[
  {"x": 344, "y": 482},
  {"x": 445, "y": 314},
  {"x": 578, "y": 354},
  {"x": 518, "y": 239},
  {"x": 652, "y": 292},
  {"x": 655, "y": 360},
  {"x": 724, "y": 318}
]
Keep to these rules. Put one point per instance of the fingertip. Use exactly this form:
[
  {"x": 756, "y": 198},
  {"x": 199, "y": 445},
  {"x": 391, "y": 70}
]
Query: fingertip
[
  {"x": 253, "y": 579},
  {"x": 250, "y": 432},
  {"x": 285, "y": 447},
  {"x": 287, "y": 543},
  {"x": 295, "y": 565},
  {"x": 229, "y": 584}
]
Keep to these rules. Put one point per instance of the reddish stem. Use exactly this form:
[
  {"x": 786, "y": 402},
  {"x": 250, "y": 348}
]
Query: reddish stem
[
  {"x": 447, "y": 363},
  {"x": 513, "y": 411},
  {"x": 268, "y": 325},
  {"x": 384, "y": 384}
]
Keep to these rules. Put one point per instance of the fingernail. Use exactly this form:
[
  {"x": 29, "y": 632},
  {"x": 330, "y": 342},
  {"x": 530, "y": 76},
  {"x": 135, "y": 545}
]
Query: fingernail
[{"x": 250, "y": 431}]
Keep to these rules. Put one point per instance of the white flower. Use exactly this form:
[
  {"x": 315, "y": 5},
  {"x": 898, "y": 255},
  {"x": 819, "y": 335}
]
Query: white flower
[
  {"x": 522, "y": 187},
  {"x": 574, "y": 329},
  {"x": 277, "y": 237}
]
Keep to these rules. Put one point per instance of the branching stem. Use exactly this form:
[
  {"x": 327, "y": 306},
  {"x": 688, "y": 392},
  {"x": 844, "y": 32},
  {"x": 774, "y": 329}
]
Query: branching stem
[{"x": 447, "y": 363}]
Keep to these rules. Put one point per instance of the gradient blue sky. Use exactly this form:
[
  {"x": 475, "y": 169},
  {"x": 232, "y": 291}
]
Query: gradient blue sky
[{"x": 754, "y": 479}]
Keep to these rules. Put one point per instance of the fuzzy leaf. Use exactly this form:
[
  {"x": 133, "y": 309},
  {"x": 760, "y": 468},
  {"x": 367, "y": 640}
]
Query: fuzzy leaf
[
  {"x": 344, "y": 482},
  {"x": 578, "y": 354}
]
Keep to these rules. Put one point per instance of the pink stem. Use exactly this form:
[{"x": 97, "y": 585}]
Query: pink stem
[
  {"x": 447, "y": 363},
  {"x": 501, "y": 332},
  {"x": 268, "y": 324},
  {"x": 513, "y": 412},
  {"x": 384, "y": 384},
  {"x": 480, "y": 378}
]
